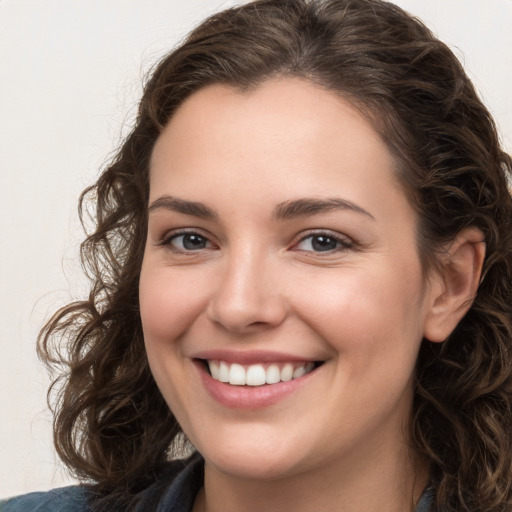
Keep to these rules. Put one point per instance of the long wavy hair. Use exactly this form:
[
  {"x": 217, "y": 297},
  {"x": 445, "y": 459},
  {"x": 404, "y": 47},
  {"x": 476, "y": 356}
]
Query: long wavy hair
[{"x": 112, "y": 426}]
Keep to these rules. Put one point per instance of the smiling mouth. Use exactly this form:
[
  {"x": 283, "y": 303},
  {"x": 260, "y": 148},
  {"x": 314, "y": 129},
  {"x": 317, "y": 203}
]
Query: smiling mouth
[{"x": 258, "y": 374}]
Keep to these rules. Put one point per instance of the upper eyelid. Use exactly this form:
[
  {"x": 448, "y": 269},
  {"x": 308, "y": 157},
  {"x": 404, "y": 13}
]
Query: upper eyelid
[
  {"x": 173, "y": 233},
  {"x": 342, "y": 237},
  {"x": 327, "y": 232},
  {"x": 345, "y": 242},
  {"x": 167, "y": 243}
]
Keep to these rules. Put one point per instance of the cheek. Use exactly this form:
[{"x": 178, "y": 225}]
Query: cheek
[
  {"x": 374, "y": 313},
  {"x": 169, "y": 302}
]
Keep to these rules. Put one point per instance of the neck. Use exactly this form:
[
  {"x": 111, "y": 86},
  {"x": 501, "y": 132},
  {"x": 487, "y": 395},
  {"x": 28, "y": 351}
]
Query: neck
[{"x": 391, "y": 482}]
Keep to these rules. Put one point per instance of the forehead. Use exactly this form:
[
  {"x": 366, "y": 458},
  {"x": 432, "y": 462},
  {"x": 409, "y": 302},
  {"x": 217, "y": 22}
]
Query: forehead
[{"x": 287, "y": 133}]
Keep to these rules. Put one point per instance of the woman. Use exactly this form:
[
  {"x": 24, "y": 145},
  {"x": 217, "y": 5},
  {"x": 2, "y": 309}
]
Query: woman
[{"x": 302, "y": 262}]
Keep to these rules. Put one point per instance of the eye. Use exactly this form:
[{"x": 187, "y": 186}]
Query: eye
[
  {"x": 323, "y": 242},
  {"x": 187, "y": 242}
]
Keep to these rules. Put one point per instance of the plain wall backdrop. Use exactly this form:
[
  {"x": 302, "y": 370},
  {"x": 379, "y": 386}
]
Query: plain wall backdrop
[{"x": 70, "y": 77}]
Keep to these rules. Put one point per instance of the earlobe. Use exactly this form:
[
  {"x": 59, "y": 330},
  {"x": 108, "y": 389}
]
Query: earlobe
[{"x": 454, "y": 285}]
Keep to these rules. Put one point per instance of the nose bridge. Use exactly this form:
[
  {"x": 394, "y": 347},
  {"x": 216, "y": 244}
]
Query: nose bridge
[{"x": 247, "y": 294}]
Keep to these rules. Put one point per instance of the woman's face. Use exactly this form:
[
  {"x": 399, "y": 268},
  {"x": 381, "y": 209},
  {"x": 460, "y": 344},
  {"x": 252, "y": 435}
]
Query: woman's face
[{"x": 281, "y": 246}]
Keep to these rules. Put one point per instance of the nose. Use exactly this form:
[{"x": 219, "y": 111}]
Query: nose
[{"x": 247, "y": 297}]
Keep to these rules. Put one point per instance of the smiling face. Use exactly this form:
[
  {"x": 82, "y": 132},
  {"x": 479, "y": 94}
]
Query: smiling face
[{"x": 281, "y": 248}]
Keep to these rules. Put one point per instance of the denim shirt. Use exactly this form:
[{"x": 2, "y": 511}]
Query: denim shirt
[
  {"x": 186, "y": 475},
  {"x": 179, "y": 497}
]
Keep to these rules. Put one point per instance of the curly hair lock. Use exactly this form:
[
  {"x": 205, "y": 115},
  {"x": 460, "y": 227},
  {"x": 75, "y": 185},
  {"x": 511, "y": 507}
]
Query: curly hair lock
[{"x": 112, "y": 426}]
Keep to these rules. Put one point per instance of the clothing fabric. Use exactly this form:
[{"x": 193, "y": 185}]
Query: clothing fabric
[
  {"x": 178, "y": 497},
  {"x": 426, "y": 500},
  {"x": 65, "y": 499},
  {"x": 186, "y": 477}
]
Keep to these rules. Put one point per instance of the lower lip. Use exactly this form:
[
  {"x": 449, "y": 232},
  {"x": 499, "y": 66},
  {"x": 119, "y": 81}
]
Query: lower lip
[{"x": 249, "y": 397}]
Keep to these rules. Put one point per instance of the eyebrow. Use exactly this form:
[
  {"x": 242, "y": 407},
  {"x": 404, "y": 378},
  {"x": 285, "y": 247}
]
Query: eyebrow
[
  {"x": 183, "y": 206},
  {"x": 312, "y": 206},
  {"x": 283, "y": 211}
]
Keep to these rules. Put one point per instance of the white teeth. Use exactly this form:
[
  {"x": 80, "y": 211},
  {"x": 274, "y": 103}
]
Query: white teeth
[
  {"x": 299, "y": 372},
  {"x": 302, "y": 370},
  {"x": 287, "y": 372},
  {"x": 257, "y": 374},
  {"x": 214, "y": 369},
  {"x": 223, "y": 372},
  {"x": 237, "y": 375},
  {"x": 273, "y": 374}
]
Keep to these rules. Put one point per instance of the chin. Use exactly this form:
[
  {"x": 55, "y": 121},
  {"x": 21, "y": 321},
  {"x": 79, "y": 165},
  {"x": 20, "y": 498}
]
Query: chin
[
  {"x": 252, "y": 466},
  {"x": 259, "y": 460}
]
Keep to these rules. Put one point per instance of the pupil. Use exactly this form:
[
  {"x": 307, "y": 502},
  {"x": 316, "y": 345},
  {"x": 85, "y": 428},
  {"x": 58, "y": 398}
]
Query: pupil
[
  {"x": 193, "y": 242},
  {"x": 324, "y": 243}
]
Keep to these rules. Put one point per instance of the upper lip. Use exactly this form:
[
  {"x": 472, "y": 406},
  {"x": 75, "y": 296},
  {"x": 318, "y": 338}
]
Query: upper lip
[{"x": 250, "y": 356}]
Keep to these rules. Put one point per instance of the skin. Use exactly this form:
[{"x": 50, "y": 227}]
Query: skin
[{"x": 256, "y": 284}]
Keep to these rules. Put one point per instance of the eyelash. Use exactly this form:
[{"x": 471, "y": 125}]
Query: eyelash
[
  {"x": 342, "y": 242},
  {"x": 167, "y": 241}
]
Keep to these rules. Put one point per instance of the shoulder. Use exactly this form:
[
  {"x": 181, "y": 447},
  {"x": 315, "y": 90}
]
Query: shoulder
[
  {"x": 65, "y": 499},
  {"x": 174, "y": 491}
]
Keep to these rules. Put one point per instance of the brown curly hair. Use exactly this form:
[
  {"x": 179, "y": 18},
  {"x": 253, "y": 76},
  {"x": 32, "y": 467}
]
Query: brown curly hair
[{"x": 112, "y": 426}]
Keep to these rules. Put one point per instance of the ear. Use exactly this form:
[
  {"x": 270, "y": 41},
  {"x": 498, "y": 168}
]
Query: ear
[{"x": 453, "y": 285}]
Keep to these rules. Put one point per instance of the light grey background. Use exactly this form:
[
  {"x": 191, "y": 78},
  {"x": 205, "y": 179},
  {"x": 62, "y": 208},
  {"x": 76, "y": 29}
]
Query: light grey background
[{"x": 70, "y": 75}]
